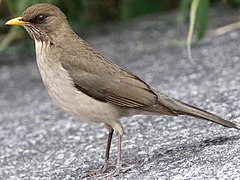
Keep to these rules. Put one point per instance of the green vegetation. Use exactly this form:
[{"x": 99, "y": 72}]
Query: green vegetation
[{"x": 88, "y": 12}]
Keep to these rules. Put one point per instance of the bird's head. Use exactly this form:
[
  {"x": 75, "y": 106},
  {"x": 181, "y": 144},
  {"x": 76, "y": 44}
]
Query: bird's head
[{"x": 42, "y": 21}]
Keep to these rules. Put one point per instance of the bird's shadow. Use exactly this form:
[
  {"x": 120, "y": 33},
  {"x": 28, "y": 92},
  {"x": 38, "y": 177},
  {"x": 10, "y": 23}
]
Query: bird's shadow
[
  {"x": 218, "y": 141},
  {"x": 188, "y": 150}
]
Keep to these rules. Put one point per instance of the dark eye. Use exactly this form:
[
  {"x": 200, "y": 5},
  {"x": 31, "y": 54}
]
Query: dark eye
[{"x": 40, "y": 18}]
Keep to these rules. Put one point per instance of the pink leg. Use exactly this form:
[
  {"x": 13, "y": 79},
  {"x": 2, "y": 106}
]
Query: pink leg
[{"x": 120, "y": 165}]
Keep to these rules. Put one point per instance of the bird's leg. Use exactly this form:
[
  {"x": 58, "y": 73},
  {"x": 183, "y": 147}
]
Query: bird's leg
[
  {"x": 121, "y": 166},
  {"x": 105, "y": 166}
]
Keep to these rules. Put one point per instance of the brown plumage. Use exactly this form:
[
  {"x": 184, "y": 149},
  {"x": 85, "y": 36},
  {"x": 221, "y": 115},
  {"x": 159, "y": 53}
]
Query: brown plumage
[{"x": 84, "y": 83}]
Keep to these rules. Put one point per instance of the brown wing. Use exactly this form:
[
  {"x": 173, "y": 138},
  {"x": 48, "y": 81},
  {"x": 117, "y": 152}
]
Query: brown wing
[{"x": 104, "y": 81}]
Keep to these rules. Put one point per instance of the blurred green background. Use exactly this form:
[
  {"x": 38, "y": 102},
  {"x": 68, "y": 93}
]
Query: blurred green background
[{"x": 88, "y": 12}]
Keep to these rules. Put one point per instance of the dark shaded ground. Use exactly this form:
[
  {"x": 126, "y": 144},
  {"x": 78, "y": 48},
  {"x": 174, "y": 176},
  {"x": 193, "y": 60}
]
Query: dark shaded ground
[{"x": 39, "y": 141}]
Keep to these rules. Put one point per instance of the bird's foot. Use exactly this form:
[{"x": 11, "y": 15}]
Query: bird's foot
[
  {"x": 121, "y": 167},
  {"x": 98, "y": 171}
]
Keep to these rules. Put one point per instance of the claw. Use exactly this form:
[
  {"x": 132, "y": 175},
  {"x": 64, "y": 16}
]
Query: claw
[
  {"x": 122, "y": 167},
  {"x": 100, "y": 170}
]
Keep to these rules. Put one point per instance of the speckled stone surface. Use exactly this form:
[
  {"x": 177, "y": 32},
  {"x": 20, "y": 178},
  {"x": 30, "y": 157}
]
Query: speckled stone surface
[{"x": 39, "y": 141}]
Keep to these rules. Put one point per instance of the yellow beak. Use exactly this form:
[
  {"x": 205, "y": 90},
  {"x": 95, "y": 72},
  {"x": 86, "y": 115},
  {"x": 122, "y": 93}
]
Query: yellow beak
[{"x": 16, "y": 22}]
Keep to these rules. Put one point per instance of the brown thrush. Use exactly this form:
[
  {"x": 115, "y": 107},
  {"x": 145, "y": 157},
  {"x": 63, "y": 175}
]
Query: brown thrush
[{"x": 84, "y": 83}]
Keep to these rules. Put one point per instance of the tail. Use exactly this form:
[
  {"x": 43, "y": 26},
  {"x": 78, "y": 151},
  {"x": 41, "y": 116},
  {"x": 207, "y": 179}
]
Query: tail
[{"x": 181, "y": 108}]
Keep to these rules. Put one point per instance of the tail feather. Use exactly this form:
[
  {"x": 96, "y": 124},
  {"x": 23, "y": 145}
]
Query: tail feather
[
  {"x": 199, "y": 113},
  {"x": 181, "y": 108}
]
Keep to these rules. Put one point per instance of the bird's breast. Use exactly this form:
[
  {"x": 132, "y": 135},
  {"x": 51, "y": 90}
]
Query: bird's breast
[{"x": 61, "y": 88}]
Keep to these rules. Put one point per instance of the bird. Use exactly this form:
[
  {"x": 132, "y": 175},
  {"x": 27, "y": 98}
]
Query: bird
[{"x": 85, "y": 84}]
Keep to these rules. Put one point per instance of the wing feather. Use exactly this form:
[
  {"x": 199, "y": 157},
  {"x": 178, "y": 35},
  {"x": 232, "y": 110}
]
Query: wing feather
[{"x": 100, "y": 79}]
